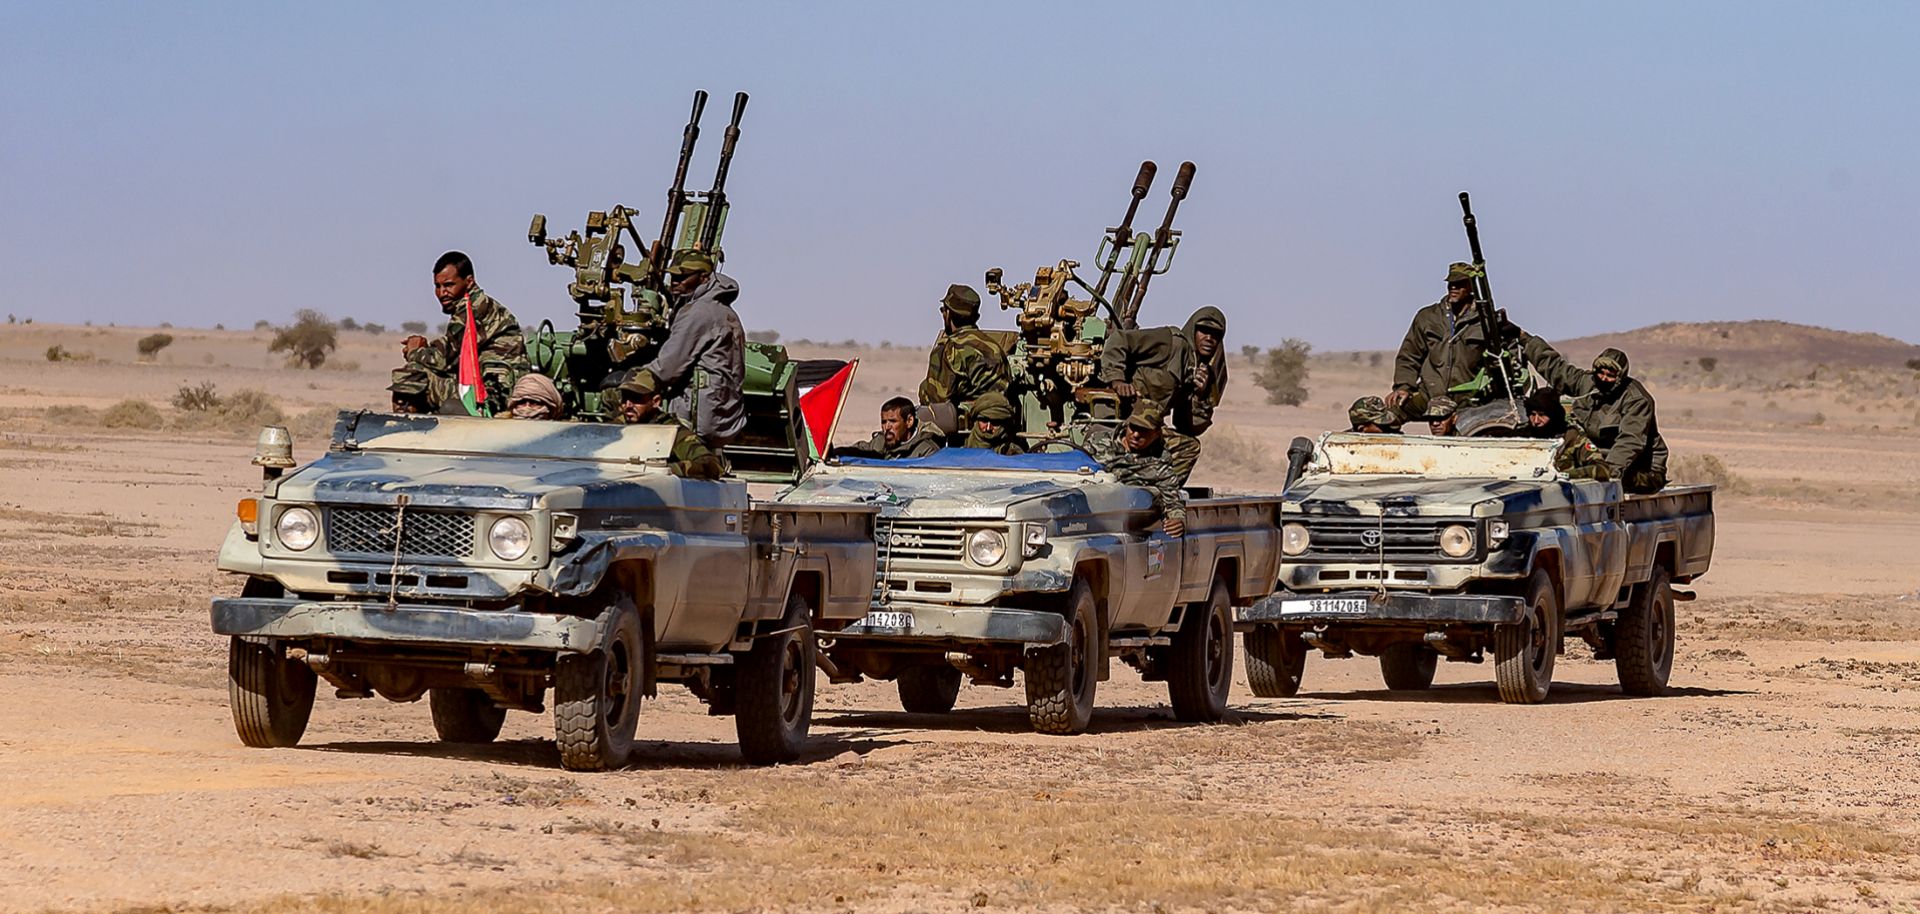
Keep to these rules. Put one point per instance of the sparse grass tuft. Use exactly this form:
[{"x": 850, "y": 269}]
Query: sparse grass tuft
[{"x": 133, "y": 414}]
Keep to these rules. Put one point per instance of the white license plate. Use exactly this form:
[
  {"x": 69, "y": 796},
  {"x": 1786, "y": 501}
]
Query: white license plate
[
  {"x": 1329, "y": 606},
  {"x": 888, "y": 620}
]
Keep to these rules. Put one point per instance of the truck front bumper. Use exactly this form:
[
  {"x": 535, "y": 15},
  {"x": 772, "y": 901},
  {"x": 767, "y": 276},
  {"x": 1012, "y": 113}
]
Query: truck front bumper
[
  {"x": 409, "y": 624},
  {"x": 1396, "y": 608},
  {"x": 933, "y": 622}
]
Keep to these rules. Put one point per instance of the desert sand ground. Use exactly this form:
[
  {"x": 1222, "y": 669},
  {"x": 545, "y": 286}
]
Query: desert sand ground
[{"x": 1783, "y": 774}]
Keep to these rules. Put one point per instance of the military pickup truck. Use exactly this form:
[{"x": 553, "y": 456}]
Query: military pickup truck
[
  {"x": 1415, "y": 548},
  {"x": 1043, "y": 563},
  {"x": 482, "y": 562}
]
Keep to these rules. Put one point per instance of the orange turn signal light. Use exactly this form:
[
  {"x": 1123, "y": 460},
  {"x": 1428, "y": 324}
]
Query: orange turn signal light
[{"x": 248, "y": 510}]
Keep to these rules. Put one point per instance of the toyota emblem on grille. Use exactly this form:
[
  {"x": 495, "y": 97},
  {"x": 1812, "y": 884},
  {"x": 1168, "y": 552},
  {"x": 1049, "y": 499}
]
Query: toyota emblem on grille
[
  {"x": 1370, "y": 539},
  {"x": 906, "y": 540}
]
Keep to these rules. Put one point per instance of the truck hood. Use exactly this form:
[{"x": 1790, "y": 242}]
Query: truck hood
[
  {"x": 511, "y": 483},
  {"x": 931, "y": 493},
  {"x": 1368, "y": 495}
]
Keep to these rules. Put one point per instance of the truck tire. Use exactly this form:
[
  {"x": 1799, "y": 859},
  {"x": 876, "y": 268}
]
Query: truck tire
[
  {"x": 1524, "y": 651},
  {"x": 1276, "y": 661},
  {"x": 271, "y": 696},
  {"x": 1643, "y": 638},
  {"x": 465, "y": 715},
  {"x": 774, "y": 689},
  {"x": 596, "y": 696},
  {"x": 1408, "y": 666},
  {"x": 929, "y": 689},
  {"x": 1200, "y": 672},
  {"x": 1061, "y": 678}
]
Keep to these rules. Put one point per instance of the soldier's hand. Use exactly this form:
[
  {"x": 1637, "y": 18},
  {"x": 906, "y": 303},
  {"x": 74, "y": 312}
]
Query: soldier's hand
[
  {"x": 412, "y": 344},
  {"x": 1397, "y": 397},
  {"x": 1124, "y": 391},
  {"x": 1174, "y": 526},
  {"x": 1200, "y": 375}
]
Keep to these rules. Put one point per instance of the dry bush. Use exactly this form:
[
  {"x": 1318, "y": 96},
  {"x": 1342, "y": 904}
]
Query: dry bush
[
  {"x": 1706, "y": 469},
  {"x": 413, "y": 326},
  {"x": 133, "y": 414},
  {"x": 1285, "y": 374},
  {"x": 71, "y": 415},
  {"x": 307, "y": 341},
  {"x": 242, "y": 412},
  {"x": 151, "y": 344},
  {"x": 59, "y": 353},
  {"x": 196, "y": 397},
  {"x": 763, "y": 336}
]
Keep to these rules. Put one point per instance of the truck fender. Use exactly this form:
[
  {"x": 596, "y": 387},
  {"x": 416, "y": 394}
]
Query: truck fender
[
  {"x": 579, "y": 571},
  {"x": 239, "y": 553}
]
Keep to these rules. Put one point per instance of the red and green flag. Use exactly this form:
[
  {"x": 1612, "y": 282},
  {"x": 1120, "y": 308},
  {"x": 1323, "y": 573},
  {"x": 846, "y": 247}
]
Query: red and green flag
[{"x": 473, "y": 390}]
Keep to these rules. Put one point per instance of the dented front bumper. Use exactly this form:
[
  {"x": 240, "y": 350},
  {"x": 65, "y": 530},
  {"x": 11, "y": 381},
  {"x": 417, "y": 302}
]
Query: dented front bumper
[{"x": 292, "y": 619}]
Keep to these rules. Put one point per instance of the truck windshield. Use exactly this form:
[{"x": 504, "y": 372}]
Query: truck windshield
[
  {"x": 600, "y": 442},
  {"x": 1358, "y": 454}
]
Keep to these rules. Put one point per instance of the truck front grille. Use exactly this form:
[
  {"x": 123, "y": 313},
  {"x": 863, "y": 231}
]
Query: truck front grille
[
  {"x": 370, "y": 531},
  {"x": 1370, "y": 538},
  {"x": 906, "y": 542}
]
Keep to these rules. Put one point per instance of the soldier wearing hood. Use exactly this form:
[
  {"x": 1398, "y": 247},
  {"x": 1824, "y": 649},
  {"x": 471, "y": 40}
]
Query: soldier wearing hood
[
  {"x": 1180, "y": 370},
  {"x": 1578, "y": 458},
  {"x": 431, "y": 378},
  {"x": 1613, "y": 409},
  {"x": 1443, "y": 347},
  {"x": 703, "y": 365},
  {"x": 990, "y": 425}
]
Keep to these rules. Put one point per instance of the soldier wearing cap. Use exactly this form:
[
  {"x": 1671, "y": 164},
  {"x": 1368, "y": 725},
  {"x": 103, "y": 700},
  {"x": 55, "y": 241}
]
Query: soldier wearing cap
[
  {"x": 535, "y": 397},
  {"x": 966, "y": 362},
  {"x": 1371, "y": 414},
  {"x": 1440, "y": 416},
  {"x": 703, "y": 364},
  {"x": 990, "y": 425},
  {"x": 640, "y": 405},
  {"x": 1443, "y": 348},
  {"x": 1613, "y": 409},
  {"x": 409, "y": 390},
  {"x": 1181, "y": 370},
  {"x": 1577, "y": 458},
  {"x": 1136, "y": 455},
  {"x": 435, "y": 365}
]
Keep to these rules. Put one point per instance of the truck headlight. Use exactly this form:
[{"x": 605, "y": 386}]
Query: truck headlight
[
  {"x": 986, "y": 547},
  {"x": 1294, "y": 539},
  {"x": 510, "y": 538},
  {"x": 297, "y": 529},
  {"x": 1456, "y": 541}
]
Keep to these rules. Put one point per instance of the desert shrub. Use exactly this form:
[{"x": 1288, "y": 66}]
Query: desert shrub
[
  {"x": 1914, "y": 364},
  {"x": 1706, "y": 469},
  {"x": 763, "y": 336},
  {"x": 194, "y": 398},
  {"x": 1818, "y": 419},
  {"x": 132, "y": 414},
  {"x": 348, "y": 323},
  {"x": 1285, "y": 374},
  {"x": 1250, "y": 353},
  {"x": 1229, "y": 453},
  {"x": 71, "y": 415},
  {"x": 307, "y": 341},
  {"x": 1375, "y": 358},
  {"x": 1708, "y": 363},
  {"x": 414, "y": 326},
  {"x": 1354, "y": 357},
  {"x": 151, "y": 344},
  {"x": 12, "y": 320},
  {"x": 250, "y": 408},
  {"x": 219, "y": 326},
  {"x": 262, "y": 325},
  {"x": 58, "y": 353},
  {"x": 375, "y": 329}
]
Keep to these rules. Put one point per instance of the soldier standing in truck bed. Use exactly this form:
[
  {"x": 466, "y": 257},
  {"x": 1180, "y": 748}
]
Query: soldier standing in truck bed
[
  {"x": 1613, "y": 409},
  {"x": 703, "y": 364},
  {"x": 1182, "y": 371},
  {"x": 431, "y": 378},
  {"x": 1443, "y": 348},
  {"x": 966, "y": 361}
]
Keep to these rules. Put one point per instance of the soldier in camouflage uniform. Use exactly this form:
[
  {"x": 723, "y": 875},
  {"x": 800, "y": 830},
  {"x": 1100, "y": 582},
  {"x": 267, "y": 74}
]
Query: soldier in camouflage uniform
[
  {"x": 1613, "y": 409},
  {"x": 640, "y": 405},
  {"x": 990, "y": 425},
  {"x": 435, "y": 366},
  {"x": 1444, "y": 347},
  {"x": 901, "y": 436},
  {"x": 1578, "y": 458},
  {"x": 1180, "y": 370},
  {"x": 1136, "y": 455},
  {"x": 703, "y": 365},
  {"x": 966, "y": 362},
  {"x": 1440, "y": 416},
  {"x": 1371, "y": 414}
]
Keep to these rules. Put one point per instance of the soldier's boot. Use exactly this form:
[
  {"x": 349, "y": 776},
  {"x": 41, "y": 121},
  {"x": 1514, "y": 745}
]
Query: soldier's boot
[{"x": 1183, "y": 451}]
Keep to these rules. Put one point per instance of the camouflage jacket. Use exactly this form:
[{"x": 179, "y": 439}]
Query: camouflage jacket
[
  {"x": 1579, "y": 459},
  {"x": 703, "y": 364},
  {"x": 503, "y": 353},
  {"x": 1161, "y": 364},
  {"x": 964, "y": 364},
  {"x": 692, "y": 459},
  {"x": 1621, "y": 423},
  {"x": 924, "y": 442},
  {"x": 1442, "y": 350},
  {"x": 1150, "y": 470}
]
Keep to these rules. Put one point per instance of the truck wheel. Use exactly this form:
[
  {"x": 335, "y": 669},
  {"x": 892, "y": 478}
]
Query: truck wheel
[
  {"x": 1061, "y": 678},
  {"x": 774, "y": 690},
  {"x": 1408, "y": 666},
  {"x": 1643, "y": 638},
  {"x": 596, "y": 696},
  {"x": 465, "y": 715},
  {"x": 1201, "y": 671},
  {"x": 1524, "y": 651},
  {"x": 1276, "y": 661},
  {"x": 271, "y": 696},
  {"x": 929, "y": 689}
]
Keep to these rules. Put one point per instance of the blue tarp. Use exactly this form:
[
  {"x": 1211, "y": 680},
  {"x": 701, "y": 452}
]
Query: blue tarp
[{"x": 968, "y": 458}]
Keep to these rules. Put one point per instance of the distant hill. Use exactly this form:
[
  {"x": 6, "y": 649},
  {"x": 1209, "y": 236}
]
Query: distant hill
[{"x": 1746, "y": 342}]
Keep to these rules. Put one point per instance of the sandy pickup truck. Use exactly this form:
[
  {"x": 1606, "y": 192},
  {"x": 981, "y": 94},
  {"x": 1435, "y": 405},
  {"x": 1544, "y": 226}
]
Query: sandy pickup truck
[
  {"x": 1415, "y": 548},
  {"x": 1043, "y": 563},
  {"x": 482, "y": 562}
]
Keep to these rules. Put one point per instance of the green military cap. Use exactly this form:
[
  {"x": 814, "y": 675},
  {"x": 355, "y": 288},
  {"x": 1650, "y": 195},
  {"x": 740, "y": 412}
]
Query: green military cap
[
  {"x": 408, "y": 382},
  {"x": 1371, "y": 411},
  {"x": 1440, "y": 408},
  {"x": 691, "y": 261},
  {"x": 1210, "y": 319},
  {"x": 640, "y": 382},
  {"x": 1461, "y": 272},
  {"x": 962, "y": 300},
  {"x": 993, "y": 407},
  {"x": 1146, "y": 416},
  {"x": 1612, "y": 359}
]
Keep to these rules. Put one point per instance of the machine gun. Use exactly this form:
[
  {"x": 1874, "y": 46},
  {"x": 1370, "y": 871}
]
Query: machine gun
[
  {"x": 1133, "y": 287},
  {"x": 1500, "y": 350},
  {"x": 620, "y": 293}
]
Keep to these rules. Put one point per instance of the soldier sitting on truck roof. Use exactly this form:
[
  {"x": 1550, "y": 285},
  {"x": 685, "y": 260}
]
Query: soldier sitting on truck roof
[
  {"x": 901, "y": 435},
  {"x": 1611, "y": 408},
  {"x": 640, "y": 405},
  {"x": 1578, "y": 458},
  {"x": 966, "y": 361},
  {"x": 1137, "y": 456},
  {"x": 502, "y": 350},
  {"x": 1371, "y": 414},
  {"x": 535, "y": 397},
  {"x": 1181, "y": 370},
  {"x": 990, "y": 425}
]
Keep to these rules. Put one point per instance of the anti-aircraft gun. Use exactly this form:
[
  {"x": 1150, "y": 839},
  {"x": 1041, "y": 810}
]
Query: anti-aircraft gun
[
  {"x": 1056, "y": 352},
  {"x": 1503, "y": 372}
]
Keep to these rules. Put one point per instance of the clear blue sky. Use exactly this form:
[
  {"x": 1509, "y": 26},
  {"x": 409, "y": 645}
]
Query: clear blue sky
[{"x": 1630, "y": 162}]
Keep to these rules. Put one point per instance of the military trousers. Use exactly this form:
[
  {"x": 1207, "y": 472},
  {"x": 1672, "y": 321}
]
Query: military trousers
[{"x": 1183, "y": 451}]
